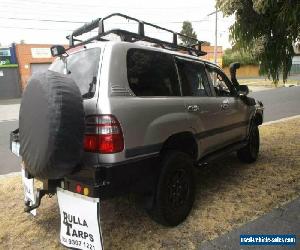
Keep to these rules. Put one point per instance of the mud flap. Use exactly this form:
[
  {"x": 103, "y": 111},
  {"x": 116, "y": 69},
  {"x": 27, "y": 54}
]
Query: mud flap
[{"x": 80, "y": 221}]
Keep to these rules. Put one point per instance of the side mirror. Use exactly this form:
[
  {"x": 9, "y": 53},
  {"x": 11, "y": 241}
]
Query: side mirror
[
  {"x": 243, "y": 90},
  {"x": 57, "y": 50}
]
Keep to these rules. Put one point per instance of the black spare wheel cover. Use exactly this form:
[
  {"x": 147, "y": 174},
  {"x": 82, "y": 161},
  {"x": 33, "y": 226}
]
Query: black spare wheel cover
[{"x": 51, "y": 125}]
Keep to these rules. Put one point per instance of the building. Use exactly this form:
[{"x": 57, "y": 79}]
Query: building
[
  {"x": 210, "y": 56},
  {"x": 295, "y": 69},
  {"x": 32, "y": 58},
  {"x": 9, "y": 75}
]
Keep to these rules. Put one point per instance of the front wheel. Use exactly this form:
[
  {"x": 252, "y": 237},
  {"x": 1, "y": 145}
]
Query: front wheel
[
  {"x": 249, "y": 153},
  {"x": 175, "y": 192}
]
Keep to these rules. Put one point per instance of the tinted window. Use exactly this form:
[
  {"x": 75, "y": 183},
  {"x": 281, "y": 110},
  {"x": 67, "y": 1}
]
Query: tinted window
[
  {"x": 151, "y": 73},
  {"x": 82, "y": 67},
  {"x": 193, "y": 78},
  {"x": 221, "y": 83}
]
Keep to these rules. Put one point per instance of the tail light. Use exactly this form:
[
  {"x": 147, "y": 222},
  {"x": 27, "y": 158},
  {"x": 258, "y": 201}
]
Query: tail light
[{"x": 103, "y": 134}]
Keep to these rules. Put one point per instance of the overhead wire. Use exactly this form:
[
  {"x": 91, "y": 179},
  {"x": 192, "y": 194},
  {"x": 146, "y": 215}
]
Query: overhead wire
[
  {"x": 82, "y": 22},
  {"x": 22, "y": 7},
  {"x": 61, "y": 5}
]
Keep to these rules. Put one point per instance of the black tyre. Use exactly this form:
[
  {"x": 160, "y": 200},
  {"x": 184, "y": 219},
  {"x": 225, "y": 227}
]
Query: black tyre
[
  {"x": 51, "y": 125},
  {"x": 175, "y": 192},
  {"x": 249, "y": 153}
]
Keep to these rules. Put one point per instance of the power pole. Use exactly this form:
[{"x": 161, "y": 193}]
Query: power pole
[{"x": 216, "y": 36}]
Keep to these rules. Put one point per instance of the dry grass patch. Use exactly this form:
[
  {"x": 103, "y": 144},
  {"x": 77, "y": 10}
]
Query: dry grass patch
[{"x": 229, "y": 195}]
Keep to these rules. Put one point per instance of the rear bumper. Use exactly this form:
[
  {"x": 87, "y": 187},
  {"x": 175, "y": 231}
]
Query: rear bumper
[
  {"x": 106, "y": 180},
  {"x": 109, "y": 180}
]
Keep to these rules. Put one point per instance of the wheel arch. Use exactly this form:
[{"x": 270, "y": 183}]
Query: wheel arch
[
  {"x": 258, "y": 119},
  {"x": 184, "y": 142}
]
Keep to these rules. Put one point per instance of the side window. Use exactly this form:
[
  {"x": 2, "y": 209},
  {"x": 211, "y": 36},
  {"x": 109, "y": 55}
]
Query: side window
[
  {"x": 193, "y": 78},
  {"x": 221, "y": 83},
  {"x": 152, "y": 73}
]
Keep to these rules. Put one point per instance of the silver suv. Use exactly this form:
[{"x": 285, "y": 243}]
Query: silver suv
[{"x": 151, "y": 114}]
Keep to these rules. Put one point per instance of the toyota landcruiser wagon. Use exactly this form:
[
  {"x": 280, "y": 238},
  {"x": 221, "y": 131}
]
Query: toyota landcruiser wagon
[{"x": 135, "y": 115}]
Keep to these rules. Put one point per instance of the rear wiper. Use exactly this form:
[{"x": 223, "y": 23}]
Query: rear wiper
[{"x": 90, "y": 92}]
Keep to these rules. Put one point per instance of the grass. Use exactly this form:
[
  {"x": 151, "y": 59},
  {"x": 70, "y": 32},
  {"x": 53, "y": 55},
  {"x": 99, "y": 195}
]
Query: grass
[{"x": 229, "y": 194}]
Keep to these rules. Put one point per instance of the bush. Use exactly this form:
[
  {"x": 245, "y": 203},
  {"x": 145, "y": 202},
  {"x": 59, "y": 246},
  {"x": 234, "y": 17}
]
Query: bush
[{"x": 243, "y": 57}]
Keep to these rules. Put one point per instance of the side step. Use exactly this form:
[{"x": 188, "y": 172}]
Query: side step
[{"x": 221, "y": 152}]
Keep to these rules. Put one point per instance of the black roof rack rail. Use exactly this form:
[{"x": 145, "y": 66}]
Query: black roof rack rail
[{"x": 128, "y": 36}]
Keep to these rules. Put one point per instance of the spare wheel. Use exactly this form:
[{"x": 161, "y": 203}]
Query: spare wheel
[{"x": 51, "y": 125}]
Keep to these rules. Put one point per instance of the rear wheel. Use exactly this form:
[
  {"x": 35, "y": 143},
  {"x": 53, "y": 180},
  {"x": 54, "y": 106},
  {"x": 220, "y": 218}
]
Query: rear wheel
[
  {"x": 175, "y": 192},
  {"x": 249, "y": 153}
]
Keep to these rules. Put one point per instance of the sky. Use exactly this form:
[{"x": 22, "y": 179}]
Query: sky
[{"x": 41, "y": 21}]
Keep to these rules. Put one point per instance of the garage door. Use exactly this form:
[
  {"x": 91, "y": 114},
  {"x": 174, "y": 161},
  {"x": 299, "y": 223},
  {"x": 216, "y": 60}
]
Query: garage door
[
  {"x": 39, "y": 67},
  {"x": 9, "y": 83}
]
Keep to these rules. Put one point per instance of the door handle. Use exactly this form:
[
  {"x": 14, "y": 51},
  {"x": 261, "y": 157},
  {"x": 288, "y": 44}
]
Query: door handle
[
  {"x": 225, "y": 104},
  {"x": 193, "y": 108}
]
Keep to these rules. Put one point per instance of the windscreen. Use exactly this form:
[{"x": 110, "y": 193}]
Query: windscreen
[{"x": 82, "y": 67}]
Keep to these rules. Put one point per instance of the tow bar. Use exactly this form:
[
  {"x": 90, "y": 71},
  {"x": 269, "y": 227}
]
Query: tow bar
[{"x": 38, "y": 197}]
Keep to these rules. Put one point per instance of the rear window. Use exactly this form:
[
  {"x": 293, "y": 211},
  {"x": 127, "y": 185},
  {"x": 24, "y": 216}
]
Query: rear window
[
  {"x": 152, "y": 73},
  {"x": 82, "y": 67}
]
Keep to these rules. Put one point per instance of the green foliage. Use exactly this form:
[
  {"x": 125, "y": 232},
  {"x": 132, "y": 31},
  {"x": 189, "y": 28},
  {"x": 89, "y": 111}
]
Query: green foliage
[
  {"x": 241, "y": 56},
  {"x": 187, "y": 29},
  {"x": 9, "y": 65},
  {"x": 267, "y": 28},
  {"x": 4, "y": 62}
]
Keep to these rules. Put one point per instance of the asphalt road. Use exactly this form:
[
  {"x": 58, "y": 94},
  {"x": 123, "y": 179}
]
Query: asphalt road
[
  {"x": 279, "y": 103},
  {"x": 8, "y": 162}
]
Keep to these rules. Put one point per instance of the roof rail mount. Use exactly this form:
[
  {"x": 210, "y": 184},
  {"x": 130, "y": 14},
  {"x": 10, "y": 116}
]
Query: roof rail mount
[{"x": 128, "y": 36}]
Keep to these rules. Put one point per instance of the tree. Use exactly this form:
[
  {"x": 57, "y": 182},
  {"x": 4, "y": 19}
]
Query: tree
[
  {"x": 187, "y": 29},
  {"x": 268, "y": 28}
]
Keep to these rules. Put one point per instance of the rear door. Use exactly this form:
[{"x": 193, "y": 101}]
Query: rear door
[{"x": 200, "y": 103}]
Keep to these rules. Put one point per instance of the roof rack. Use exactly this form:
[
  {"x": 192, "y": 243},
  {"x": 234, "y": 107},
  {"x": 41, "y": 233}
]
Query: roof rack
[{"x": 128, "y": 36}]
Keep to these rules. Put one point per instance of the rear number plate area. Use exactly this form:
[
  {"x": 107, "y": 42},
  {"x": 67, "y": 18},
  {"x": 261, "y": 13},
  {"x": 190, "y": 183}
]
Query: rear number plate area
[
  {"x": 15, "y": 148},
  {"x": 29, "y": 191}
]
